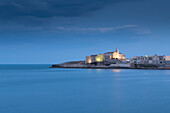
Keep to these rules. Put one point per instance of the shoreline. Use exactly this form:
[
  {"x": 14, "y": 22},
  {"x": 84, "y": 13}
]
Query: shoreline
[{"x": 57, "y": 66}]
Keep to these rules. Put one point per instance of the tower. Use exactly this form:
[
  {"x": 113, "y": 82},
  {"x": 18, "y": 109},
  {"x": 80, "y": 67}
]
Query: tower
[{"x": 117, "y": 51}]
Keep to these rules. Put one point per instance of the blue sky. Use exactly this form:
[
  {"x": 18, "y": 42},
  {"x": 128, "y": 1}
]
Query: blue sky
[{"x": 54, "y": 31}]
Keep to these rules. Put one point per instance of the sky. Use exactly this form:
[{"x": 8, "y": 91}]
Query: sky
[{"x": 55, "y": 31}]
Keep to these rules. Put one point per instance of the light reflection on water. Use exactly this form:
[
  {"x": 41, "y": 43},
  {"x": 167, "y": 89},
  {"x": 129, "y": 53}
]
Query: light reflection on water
[{"x": 116, "y": 70}]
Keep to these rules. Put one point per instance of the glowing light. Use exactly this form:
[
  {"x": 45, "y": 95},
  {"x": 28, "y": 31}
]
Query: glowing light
[
  {"x": 99, "y": 58},
  {"x": 116, "y": 56},
  {"x": 89, "y": 61},
  {"x": 116, "y": 70}
]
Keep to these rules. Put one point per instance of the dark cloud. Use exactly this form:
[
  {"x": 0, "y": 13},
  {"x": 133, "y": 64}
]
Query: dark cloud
[
  {"x": 28, "y": 15},
  {"x": 17, "y": 9}
]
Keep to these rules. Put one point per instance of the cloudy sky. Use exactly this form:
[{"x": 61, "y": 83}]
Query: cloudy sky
[{"x": 54, "y": 31}]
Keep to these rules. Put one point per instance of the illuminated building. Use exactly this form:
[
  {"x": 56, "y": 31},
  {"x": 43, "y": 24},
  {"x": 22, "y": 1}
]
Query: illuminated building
[
  {"x": 90, "y": 59},
  {"x": 114, "y": 57},
  {"x": 100, "y": 58},
  {"x": 109, "y": 57},
  {"x": 117, "y": 55}
]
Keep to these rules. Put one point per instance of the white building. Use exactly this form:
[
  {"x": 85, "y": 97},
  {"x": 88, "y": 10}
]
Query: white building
[{"x": 156, "y": 60}]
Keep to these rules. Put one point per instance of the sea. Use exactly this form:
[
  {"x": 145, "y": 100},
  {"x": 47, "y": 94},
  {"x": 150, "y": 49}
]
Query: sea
[{"x": 36, "y": 88}]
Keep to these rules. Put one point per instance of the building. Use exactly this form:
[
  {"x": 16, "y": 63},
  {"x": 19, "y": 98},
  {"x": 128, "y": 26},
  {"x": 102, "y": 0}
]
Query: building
[
  {"x": 100, "y": 58},
  {"x": 90, "y": 59},
  {"x": 109, "y": 57},
  {"x": 154, "y": 60},
  {"x": 167, "y": 61},
  {"x": 117, "y": 55},
  {"x": 167, "y": 58},
  {"x": 114, "y": 57}
]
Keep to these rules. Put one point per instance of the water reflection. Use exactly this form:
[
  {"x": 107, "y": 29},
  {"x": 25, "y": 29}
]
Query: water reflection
[
  {"x": 116, "y": 70},
  {"x": 99, "y": 70}
]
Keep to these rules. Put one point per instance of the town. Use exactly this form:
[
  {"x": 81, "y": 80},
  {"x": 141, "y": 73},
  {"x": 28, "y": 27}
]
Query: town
[{"x": 118, "y": 60}]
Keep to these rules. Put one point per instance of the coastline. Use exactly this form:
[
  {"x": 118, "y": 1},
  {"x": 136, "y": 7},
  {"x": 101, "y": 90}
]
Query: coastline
[
  {"x": 101, "y": 67},
  {"x": 83, "y": 65}
]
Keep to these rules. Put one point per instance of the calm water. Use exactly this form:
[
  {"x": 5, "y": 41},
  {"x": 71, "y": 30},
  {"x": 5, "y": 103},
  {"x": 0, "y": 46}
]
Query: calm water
[{"x": 38, "y": 89}]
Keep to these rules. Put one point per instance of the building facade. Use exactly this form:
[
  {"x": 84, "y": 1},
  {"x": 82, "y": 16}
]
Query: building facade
[
  {"x": 118, "y": 55},
  {"x": 90, "y": 59},
  {"x": 154, "y": 60},
  {"x": 109, "y": 57}
]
